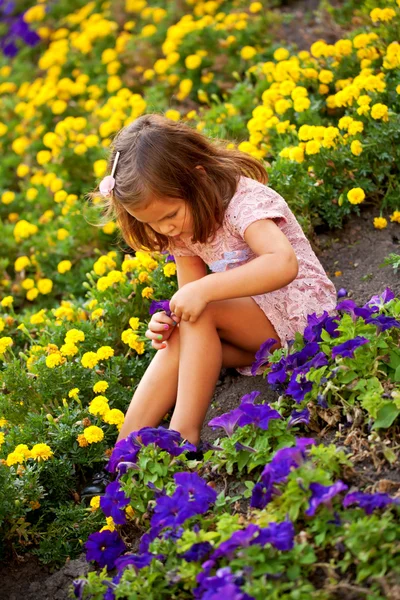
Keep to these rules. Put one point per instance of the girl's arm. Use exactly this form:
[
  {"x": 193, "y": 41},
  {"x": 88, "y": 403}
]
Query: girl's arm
[
  {"x": 189, "y": 268},
  {"x": 275, "y": 266}
]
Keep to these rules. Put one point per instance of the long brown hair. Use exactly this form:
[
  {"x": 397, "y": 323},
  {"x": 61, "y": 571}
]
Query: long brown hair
[{"x": 157, "y": 159}]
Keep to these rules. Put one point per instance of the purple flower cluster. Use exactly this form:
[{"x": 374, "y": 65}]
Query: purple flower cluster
[
  {"x": 369, "y": 502},
  {"x": 125, "y": 453},
  {"x": 16, "y": 29},
  {"x": 224, "y": 582},
  {"x": 369, "y": 310},
  {"x": 113, "y": 503},
  {"x": 104, "y": 547},
  {"x": 277, "y": 471},
  {"x": 323, "y": 494},
  {"x": 246, "y": 413}
]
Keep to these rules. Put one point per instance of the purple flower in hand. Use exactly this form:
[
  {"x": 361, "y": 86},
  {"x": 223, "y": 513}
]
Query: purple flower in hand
[
  {"x": 369, "y": 502},
  {"x": 157, "y": 305},
  {"x": 113, "y": 503},
  {"x": 104, "y": 547},
  {"x": 323, "y": 494}
]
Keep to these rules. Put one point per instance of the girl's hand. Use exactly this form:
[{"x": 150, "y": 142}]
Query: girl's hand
[
  {"x": 160, "y": 328},
  {"x": 189, "y": 302}
]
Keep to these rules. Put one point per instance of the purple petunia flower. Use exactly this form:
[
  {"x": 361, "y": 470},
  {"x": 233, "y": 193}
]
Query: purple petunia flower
[
  {"x": 249, "y": 398},
  {"x": 258, "y": 415},
  {"x": 342, "y": 293},
  {"x": 299, "y": 416},
  {"x": 348, "y": 348},
  {"x": 369, "y": 502},
  {"x": 226, "y": 421},
  {"x": 379, "y": 301},
  {"x": 104, "y": 547},
  {"x": 197, "y": 552},
  {"x": 157, "y": 305},
  {"x": 279, "y": 535},
  {"x": 355, "y": 311},
  {"x": 263, "y": 354},
  {"x": 125, "y": 450},
  {"x": 315, "y": 325},
  {"x": 139, "y": 561},
  {"x": 298, "y": 389},
  {"x": 323, "y": 494},
  {"x": 166, "y": 439},
  {"x": 383, "y": 322},
  {"x": 200, "y": 494},
  {"x": 79, "y": 584},
  {"x": 113, "y": 503}
]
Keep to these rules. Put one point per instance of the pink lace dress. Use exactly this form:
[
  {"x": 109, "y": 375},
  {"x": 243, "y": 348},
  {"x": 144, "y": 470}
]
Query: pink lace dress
[{"x": 286, "y": 308}]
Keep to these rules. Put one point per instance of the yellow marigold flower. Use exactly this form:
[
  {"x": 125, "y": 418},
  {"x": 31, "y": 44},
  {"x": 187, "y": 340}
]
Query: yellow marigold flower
[
  {"x": 129, "y": 337},
  {"x": 313, "y": 147},
  {"x": 96, "y": 314},
  {"x": 114, "y": 417},
  {"x": 380, "y": 223},
  {"x": 380, "y": 111},
  {"x": 345, "y": 122},
  {"x": 143, "y": 276},
  {"x": 21, "y": 263},
  {"x": 2, "y": 325},
  {"x": 82, "y": 441},
  {"x": 139, "y": 347},
  {"x": 3, "y": 421},
  {"x": 54, "y": 360},
  {"x": 382, "y": 14},
  {"x": 130, "y": 513},
  {"x": 73, "y": 336},
  {"x": 73, "y": 393},
  {"x": 95, "y": 503},
  {"x": 281, "y": 54},
  {"x": 356, "y": 195},
  {"x": 7, "y": 301},
  {"x": 14, "y": 458},
  {"x": 248, "y": 52},
  {"x": 93, "y": 434},
  {"x": 395, "y": 217},
  {"x": 356, "y": 147},
  {"x": 64, "y": 266},
  {"x": 105, "y": 352},
  {"x": 7, "y": 197},
  {"x": 110, "y": 525},
  {"x": 5, "y": 342},
  {"x": 99, "y": 406},
  {"x": 147, "y": 292},
  {"x": 103, "y": 284},
  {"x": 45, "y": 285},
  {"x": 355, "y": 127},
  {"x": 24, "y": 450},
  {"x": 41, "y": 452},
  {"x": 325, "y": 76},
  {"x": 109, "y": 228},
  {"x": 2, "y": 438},
  {"x": 100, "y": 387},
  {"x": 134, "y": 322},
  {"x": 301, "y": 104},
  {"x": 38, "y": 318},
  {"x": 169, "y": 270},
  {"x": 193, "y": 61},
  {"x": 62, "y": 234},
  {"x": 32, "y": 294},
  {"x": 89, "y": 360}
]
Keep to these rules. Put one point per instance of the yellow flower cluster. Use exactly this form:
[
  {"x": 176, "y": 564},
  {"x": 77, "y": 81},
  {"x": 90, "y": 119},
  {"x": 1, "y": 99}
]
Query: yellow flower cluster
[
  {"x": 90, "y": 359},
  {"x": 39, "y": 452},
  {"x": 5, "y": 342}
]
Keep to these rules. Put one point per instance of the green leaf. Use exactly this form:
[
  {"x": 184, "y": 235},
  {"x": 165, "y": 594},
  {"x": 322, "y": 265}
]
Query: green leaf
[{"x": 386, "y": 415}]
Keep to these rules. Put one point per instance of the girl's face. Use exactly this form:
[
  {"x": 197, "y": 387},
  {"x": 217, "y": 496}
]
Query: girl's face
[{"x": 170, "y": 217}]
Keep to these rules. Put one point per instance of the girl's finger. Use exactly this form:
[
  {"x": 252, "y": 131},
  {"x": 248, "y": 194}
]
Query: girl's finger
[
  {"x": 154, "y": 336},
  {"x": 158, "y": 345},
  {"x": 159, "y": 327}
]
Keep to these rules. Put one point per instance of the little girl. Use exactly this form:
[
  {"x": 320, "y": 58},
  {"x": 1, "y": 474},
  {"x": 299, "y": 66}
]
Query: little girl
[{"x": 173, "y": 189}]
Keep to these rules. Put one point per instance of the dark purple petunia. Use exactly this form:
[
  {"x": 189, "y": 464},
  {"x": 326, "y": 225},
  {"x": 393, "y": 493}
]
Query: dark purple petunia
[
  {"x": 331, "y": 326},
  {"x": 198, "y": 552},
  {"x": 112, "y": 586},
  {"x": 323, "y": 494},
  {"x": 201, "y": 494},
  {"x": 263, "y": 354},
  {"x": 383, "y": 322},
  {"x": 379, "y": 301},
  {"x": 227, "y": 421},
  {"x": 113, "y": 503},
  {"x": 166, "y": 439},
  {"x": 125, "y": 450},
  {"x": 239, "y": 539},
  {"x": 170, "y": 511},
  {"x": 299, "y": 389},
  {"x": 139, "y": 561},
  {"x": 104, "y": 547},
  {"x": 312, "y": 333},
  {"x": 355, "y": 311},
  {"x": 348, "y": 348},
  {"x": 224, "y": 584},
  {"x": 159, "y": 305},
  {"x": 258, "y": 415},
  {"x": 79, "y": 584},
  {"x": 369, "y": 502},
  {"x": 249, "y": 398},
  {"x": 278, "y": 373},
  {"x": 298, "y": 359},
  {"x": 279, "y": 535},
  {"x": 299, "y": 416}
]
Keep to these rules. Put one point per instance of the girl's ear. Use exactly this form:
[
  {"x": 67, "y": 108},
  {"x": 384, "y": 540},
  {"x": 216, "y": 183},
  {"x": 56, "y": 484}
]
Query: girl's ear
[{"x": 201, "y": 168}]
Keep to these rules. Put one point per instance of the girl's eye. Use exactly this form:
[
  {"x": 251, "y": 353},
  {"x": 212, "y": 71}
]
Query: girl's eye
[{"x": 171, "y": 216}]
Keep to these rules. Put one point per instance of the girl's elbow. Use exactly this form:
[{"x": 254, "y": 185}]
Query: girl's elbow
[{"x": 292, "y": 266}]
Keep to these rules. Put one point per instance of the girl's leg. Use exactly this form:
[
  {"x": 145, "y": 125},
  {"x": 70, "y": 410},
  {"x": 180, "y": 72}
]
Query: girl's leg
[
  {"x": 157, "y": 390},
  {"x": 241, "y": 322}
]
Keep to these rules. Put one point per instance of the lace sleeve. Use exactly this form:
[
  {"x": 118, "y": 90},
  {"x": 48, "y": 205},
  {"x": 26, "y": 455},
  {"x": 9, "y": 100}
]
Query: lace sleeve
[{"x": 254, "y": 203}]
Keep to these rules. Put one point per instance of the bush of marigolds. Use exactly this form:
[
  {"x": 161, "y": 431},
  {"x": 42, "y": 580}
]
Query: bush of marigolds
[{"x": 270, "y": 511}]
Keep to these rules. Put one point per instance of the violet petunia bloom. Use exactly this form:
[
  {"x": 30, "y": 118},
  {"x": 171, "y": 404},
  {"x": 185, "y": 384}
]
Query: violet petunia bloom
[
  {"x": 166, "y": 439},
  {"x": 79, "y": 584},
  {"x": 299, "y": 416},
  {"x": 341, "y": 293},
  {"x": 227, "y": 421},
  {"x": 379, "y": 301},
  {"x": 355, "y": 311},
  {"x": 125, "y": 450},
  {"x": 198, "y": 552},
  {"x": 113, "y": 503},
  {"x": 383, "y": 322},
  {"x": 369, "y": 502},
  {"x": 157, "y": 305},
  {"x": 239, "y": 539},
  {"x": 104, "y": 547},
  {"x": 279, "y": 535},
  {"x": 323, "y": 494},
  {"x": 263, "y": 354},
  {"x": 347, "y": 348},
  {"x": 249, "y": 398},
  {"x": 298, "y": 389},
  {"x": 139, "y": 561},
  {"x": 258, "y": 415},
  {"x": 312, "y": 333},
  {"x": 200, "y": 494}
]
